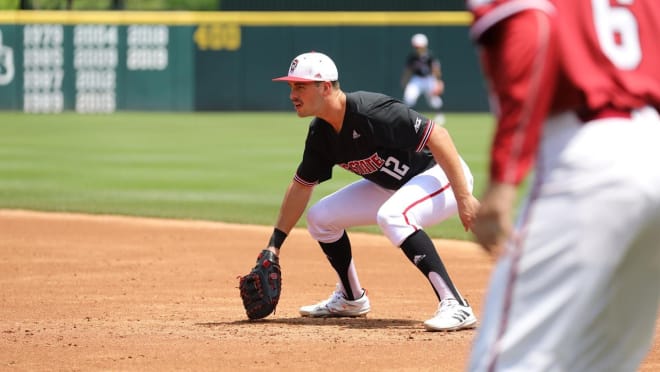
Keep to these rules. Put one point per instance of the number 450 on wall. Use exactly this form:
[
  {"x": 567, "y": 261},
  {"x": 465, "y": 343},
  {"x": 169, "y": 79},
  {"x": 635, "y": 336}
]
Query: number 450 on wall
[{"x": 218, "y": 36}]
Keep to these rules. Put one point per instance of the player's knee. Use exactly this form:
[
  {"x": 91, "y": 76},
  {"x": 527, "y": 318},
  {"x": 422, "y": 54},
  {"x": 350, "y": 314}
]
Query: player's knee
[
  {"x": 410, "y": 100},
  {"x": 435, "y": 102},
  {"x": 314, "y": 218},
  {"x": 320, "y": 226},
  {"x": 391, "y": 221},
  {"x": 389, "y": 214}
]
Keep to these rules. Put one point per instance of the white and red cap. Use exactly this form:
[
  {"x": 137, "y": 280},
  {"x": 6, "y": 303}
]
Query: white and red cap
[
  {"x": 312, "y": 66},
  {"x": 419, "y": 41}
]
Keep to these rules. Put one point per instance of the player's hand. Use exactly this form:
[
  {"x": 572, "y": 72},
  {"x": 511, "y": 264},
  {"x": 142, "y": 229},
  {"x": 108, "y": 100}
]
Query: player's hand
[
  {"x": 492, "y": 226},
  {"x": 438, "y": 88},
  {"x": 467, "y": 211}
]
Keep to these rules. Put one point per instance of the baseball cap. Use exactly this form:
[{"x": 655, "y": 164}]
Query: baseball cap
[
  {"x": 312, "y": 66},
  {"x": 419, "y": 40}
]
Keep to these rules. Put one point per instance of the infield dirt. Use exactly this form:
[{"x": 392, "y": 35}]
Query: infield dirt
[{"x": 91, "y": 293}]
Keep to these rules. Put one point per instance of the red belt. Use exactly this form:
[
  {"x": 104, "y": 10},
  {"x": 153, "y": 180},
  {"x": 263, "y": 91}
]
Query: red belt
[{"x": 605, "y": 113}]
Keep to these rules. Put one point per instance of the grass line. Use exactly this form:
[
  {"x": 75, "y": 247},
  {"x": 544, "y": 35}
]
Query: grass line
[{"x": 231, "y": 167}]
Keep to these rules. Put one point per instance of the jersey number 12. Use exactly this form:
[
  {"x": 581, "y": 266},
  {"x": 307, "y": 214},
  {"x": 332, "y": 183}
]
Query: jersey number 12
[{"x": 397, "y": 170}]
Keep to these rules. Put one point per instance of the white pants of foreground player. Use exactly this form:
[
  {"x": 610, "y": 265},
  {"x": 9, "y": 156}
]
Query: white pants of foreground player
[
  {"x": 419, "y": 85},
  {"x": 425, "y": 200},
  {"x": 578, "y": 289}
]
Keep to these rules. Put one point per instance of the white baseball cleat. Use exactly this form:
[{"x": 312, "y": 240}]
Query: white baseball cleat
[
  {"x": 338, "y": 306},
  {"x": 451, "y": 316}
]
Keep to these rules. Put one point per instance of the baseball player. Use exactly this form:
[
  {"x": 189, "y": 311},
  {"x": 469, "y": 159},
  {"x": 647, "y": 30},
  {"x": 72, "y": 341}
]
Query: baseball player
[
  {"x": 423, "y": 75},
  {"x": 412, "y": 177},
  {"x": 576, "y": 89}
]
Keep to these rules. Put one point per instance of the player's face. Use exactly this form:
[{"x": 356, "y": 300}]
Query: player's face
[
  {"x": 306, "y": 98},
  {"x": 420, "y": 50}
]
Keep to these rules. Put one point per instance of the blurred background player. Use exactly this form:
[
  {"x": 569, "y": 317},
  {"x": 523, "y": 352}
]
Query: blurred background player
[{"x": 423, "y": 75}]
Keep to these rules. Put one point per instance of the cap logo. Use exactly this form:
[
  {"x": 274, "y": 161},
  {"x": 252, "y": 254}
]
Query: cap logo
[{"x": 294, "y": 64}]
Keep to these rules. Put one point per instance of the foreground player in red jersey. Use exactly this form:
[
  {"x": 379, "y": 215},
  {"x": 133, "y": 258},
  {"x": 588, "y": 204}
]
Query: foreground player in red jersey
[
  {"x": 576, "y": 89},
  {"x": 411, "y": 177}
]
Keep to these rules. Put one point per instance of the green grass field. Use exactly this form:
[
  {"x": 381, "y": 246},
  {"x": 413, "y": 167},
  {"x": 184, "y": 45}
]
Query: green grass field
[{"x": 231, "y": 167}]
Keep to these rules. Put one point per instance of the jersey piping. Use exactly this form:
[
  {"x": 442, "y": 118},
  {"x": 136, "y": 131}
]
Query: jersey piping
[{"x": 504, "y": 11}]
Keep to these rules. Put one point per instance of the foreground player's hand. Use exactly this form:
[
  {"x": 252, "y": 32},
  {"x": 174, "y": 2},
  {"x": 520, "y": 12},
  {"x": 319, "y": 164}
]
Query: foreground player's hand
[{"x": 492, "y": 226}]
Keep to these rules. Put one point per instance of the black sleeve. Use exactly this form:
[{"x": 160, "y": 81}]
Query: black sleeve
[{"x": 316, "y": 165}]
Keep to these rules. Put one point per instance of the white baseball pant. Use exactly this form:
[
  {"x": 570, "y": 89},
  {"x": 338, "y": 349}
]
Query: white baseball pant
[
  {"x": 419, "y": 85},
  {"x": 577, "y": 289},
  {"x": 423, "y": 201}
]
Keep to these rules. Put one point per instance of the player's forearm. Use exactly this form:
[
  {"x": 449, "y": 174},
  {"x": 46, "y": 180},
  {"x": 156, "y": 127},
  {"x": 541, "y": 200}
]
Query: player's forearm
[
  {"x": 437, "y": 72},
  {"x": 293, "y": 206},
  {"x": 444, "y": 151},
  {"x": 295, "y": 201}
]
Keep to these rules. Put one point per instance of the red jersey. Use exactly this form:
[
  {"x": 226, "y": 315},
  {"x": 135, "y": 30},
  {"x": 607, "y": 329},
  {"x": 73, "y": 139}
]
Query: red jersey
[{"x": 595, "y": 57}]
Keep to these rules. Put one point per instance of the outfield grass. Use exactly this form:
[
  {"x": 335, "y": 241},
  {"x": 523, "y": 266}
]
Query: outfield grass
[{"x": 231, "y": 167}]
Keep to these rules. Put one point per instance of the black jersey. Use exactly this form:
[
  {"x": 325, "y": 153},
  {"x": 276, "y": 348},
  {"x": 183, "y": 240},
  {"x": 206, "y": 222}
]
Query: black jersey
[
  {"x": 421, "y": 65},
  {"x": 381, "y": 139}
]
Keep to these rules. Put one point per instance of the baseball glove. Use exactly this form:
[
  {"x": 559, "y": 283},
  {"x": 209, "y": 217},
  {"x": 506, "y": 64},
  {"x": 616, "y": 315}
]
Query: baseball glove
[{"x": 261, "y": 287}]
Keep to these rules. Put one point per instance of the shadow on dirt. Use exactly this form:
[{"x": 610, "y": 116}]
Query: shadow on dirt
[{"x": 355, "y": 323}]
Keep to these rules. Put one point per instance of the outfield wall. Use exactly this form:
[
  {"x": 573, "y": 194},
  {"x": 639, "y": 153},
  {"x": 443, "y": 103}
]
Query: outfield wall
[{"x": 206, "y": 61}]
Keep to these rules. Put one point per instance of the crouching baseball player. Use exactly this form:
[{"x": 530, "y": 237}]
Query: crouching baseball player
[{"x": 412, "y": 177}]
